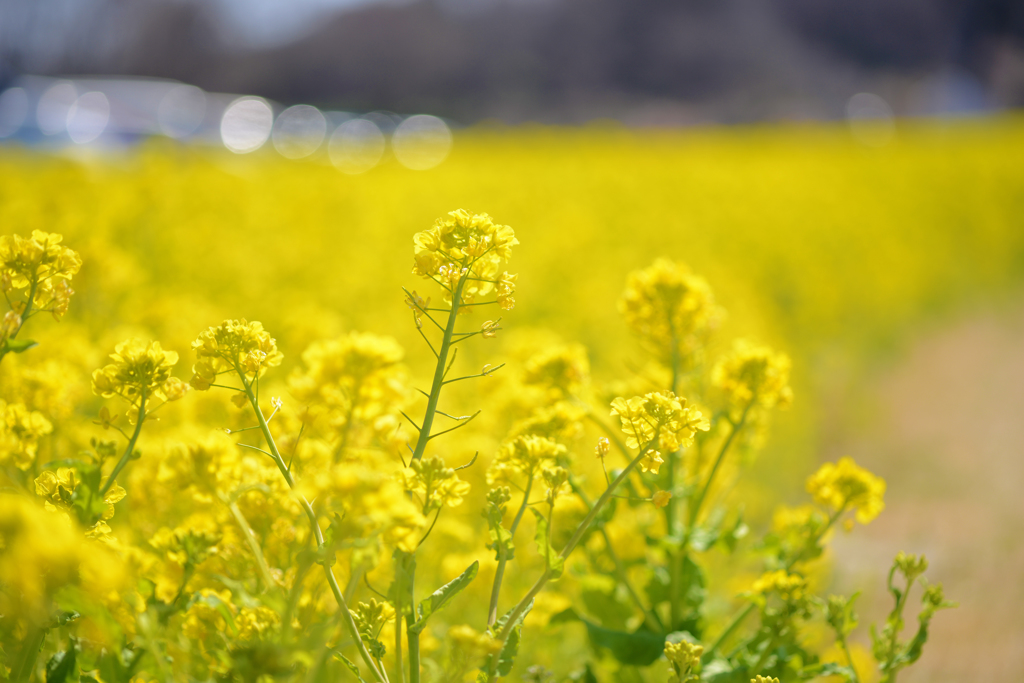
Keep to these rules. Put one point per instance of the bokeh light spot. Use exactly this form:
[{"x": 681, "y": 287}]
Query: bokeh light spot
[
  {"x": 299, "y": 131},
  {"x": 871, "y": 119},
  {"x": 421, "y": 142},
  {"x": 181, "y": 111},
  {"x": 88, "y": 117},
  {"x": 246, "y": 124},
  {"x": 356, "y": 146},
  {"x": 54, "y": 106}
]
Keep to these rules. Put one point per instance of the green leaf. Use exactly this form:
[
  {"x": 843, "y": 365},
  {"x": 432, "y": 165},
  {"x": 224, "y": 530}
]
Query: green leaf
[
  {"x": 639, "y": 648},
  {"x": 401, "y": 584},
  {"x": 703, "y": 538},
  {"x": 117, "y": 667},
  {"x": 584, "y": 675},
  {"x": 442, "y": 595},
  {"x": 507, "y": 656},
  {"x": 738, "y": 531},
  {"x": 19, "y": 345},
  {"x": 556, "y": 563},
  {"x": 350, "y": 664},
  {"x": 61, "y": 667},
  {"x": 604, "y": 599}
]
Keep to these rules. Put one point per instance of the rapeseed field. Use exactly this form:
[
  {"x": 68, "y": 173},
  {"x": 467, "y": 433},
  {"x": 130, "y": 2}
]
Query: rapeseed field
[{"x": 545, "y": 411}]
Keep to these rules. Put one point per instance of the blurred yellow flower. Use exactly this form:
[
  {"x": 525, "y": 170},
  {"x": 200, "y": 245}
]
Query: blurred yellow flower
[
  {"x": 845, "y": 486},
  {"x": 754, "y": 373}
]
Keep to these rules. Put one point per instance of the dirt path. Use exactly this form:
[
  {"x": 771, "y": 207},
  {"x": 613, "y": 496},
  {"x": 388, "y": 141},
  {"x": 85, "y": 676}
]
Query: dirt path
[{"x": 949, "y": 439}]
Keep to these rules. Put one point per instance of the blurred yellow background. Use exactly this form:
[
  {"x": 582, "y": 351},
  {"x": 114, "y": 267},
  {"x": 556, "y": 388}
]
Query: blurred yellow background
[{"x": 891, "y": 275}]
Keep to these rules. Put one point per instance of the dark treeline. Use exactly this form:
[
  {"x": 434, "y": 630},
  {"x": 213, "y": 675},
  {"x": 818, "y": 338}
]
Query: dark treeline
[{"x": 652, "y": 61}]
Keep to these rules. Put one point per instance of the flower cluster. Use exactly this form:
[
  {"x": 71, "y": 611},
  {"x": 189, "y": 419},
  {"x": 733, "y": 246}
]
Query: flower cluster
[
  {"x": 436, "y": 483},
  {"x": 44, "y": 553},
  {"x": 353, "y": 379},
  {"x": 669, "y": 307},
  {"x": 57, "y": 489},
  {"x": 660, "y": 415},
  {"x": 20, "y": 431},
  {"x": 467, "y": 248},
  {"x": 140, "y": 370},
  {"x": 41, "y": 265},
  {"x": 471, "y": 643},
  {"x": 754, "y": 373},
  {"x": 788, "y": 587},
  {"x": 372, "y": 505},
  {"x": 371, "y": 616},
  {"x": 233, "y": 346},
  {"x": 846, "y": 486},
  {"x": 562, "y": 369},
  {"x": 684, "y": 658},
  {"x": 525, "y": 454}
]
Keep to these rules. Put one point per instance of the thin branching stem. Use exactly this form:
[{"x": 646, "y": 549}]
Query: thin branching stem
[
  {"x": 251, "y": 540},
  {"x": 479, "y": 374},
  {"x": 745, "y": 612},
  {"x": 699, "y": 501},
  {"x": 131, "y": 445},
  {"x": 518, "y": 611},
  {"x": 650, "y": 616},
  {"x": 499, "y": 574},
  {"x": 318, "y": 535},
  {"x": 461, "y": 424}
]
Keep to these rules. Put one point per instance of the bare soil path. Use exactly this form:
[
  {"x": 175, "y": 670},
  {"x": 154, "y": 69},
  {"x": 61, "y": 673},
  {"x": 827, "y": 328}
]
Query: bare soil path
[{"x": 948, "y": 436}]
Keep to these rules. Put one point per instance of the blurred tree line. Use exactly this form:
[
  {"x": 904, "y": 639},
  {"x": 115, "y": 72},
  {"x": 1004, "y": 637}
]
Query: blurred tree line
[{"x": 642, "y": 61}]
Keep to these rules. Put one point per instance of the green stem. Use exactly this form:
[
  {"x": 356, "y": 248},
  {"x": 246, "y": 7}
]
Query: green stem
[
  {"x": 520, "y": 608},
  {"x": 131, "y": 445},
  {"x": 650, "y": 616},
  {"x": 745, "y": 612},
  {"x": 24, "y": 315},
  {"x": 421, "y": 446},
  {"x": 492, "y": 612},
  {"x": 766, "y": 654},
  {"x": 26, "y": 664},
  {"x": 318, "y": 535},
  {"x": 849, "y": 659},
  {"x": 733, "y": 625},
  {"x": 699, "y": 501},
  {"x": 414, "y": 655},
  {"x": 399, "y": 667},
  {"x": 250, "y": 538},
  {"x": 435, "y": 387},
  {"x": 672, "y": 518}
]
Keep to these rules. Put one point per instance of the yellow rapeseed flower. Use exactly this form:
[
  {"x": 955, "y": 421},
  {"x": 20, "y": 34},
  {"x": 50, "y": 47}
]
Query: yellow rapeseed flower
[
  {"x": 41, "y": 265},
  {"x": 233, "y": 346},
  {"x": 471, "y": 246},
  {"x": 789, "y": 587},
  {"x": 563, "y": 369},
  {"x": 754, "y": 373},
  {"x": 670, "y": 308},
  {"x": 139, "y": 368},
  {"x": 523, "y": 455},
  {"x": 44, "y": 552},
  {"x": 684, "y": 658},
  {"x": 845, "y": 486},
  {"x": 660, "y": 414},
  {"x": 435, "y": 483},
  {"x": 20, "y": 431}
]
